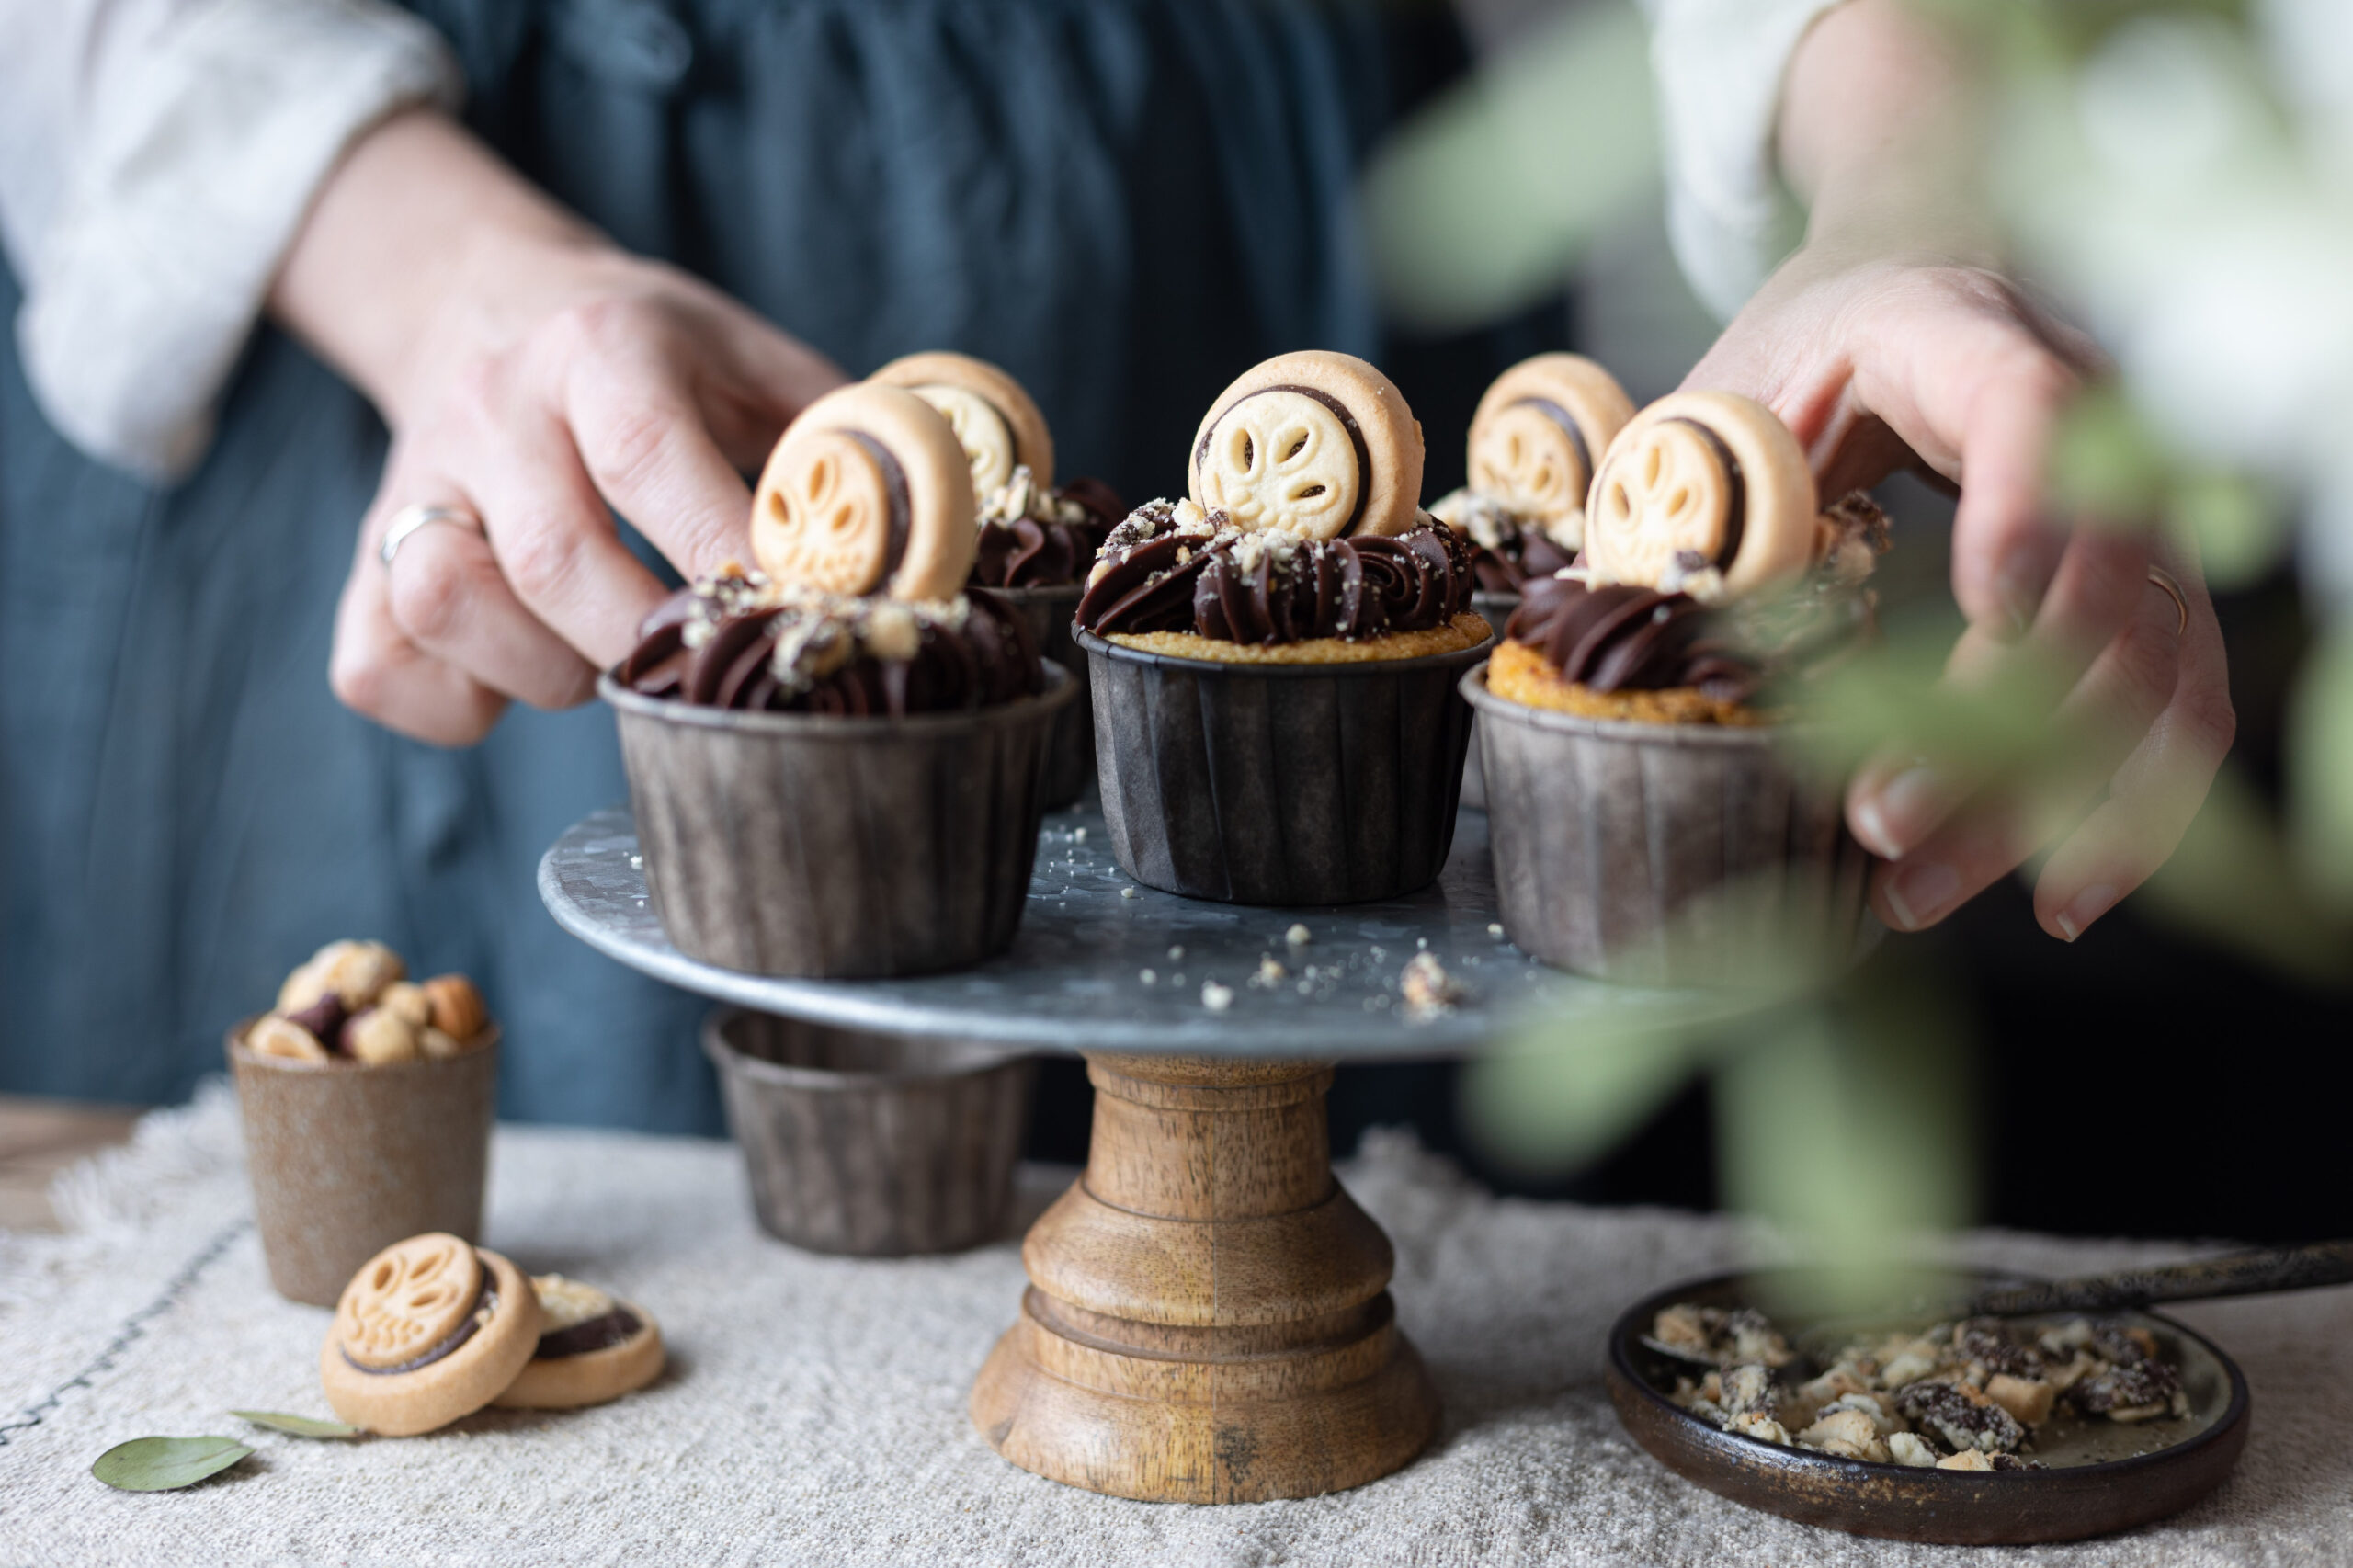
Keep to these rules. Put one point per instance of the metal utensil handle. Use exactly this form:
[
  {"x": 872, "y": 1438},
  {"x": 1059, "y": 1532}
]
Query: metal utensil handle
[{"x": 2255, "y": 1273}]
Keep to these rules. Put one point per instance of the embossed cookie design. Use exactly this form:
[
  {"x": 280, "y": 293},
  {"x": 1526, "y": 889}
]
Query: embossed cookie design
[
  {"x": 994, "y": 418},
  {"x": 1539, "y": 433},
  {"x": 1313, "y": 443},
  {"x": 593, "y": 1347},
  {"x": 869, "y": 490},
  {"x": 429, "y": 1329},
  {"x": 1699, "y": 482}
]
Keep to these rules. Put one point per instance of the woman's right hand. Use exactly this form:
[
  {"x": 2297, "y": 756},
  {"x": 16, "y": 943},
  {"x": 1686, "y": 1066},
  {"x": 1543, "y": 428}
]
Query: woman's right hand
[{"x": 540, "y": 380}]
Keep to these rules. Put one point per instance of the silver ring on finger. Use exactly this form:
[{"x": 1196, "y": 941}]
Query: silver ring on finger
[
  {"x": 408, "y": 519},
  {"x": 2163, "y": 579}
]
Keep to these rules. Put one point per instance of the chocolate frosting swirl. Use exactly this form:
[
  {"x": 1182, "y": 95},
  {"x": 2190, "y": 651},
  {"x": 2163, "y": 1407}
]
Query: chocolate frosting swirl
[
  {"x": 1619, "y": 637},
  {"x": 1519, "y": 555},
  {"x": 1272, "y": 587},
  {"x": 1033, "y": 552},
  {"x": 732, "y": 643}
]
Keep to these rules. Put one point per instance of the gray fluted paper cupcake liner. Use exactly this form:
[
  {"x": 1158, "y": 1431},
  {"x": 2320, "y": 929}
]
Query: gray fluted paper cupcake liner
[
  {"x": 1279, "y": 783},
  {"x": 790, "y": 844},
  {"x": 1665, "y": 854},
  {"x": 877, "y": 1146},
  {"x": 1070, "y": 760},
  {"x": 1496, "y": 608}
]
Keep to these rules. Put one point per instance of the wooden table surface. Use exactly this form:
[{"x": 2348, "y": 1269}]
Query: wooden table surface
[{"x": 38, "y": 1139}]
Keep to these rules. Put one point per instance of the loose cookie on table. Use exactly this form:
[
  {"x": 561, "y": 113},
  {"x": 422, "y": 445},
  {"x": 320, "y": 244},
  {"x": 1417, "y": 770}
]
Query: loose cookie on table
[
  {"x": 1313, "y": 443},
  {"x": 1706, "y": 493},
  {"x": 868, "y": 492},
  {"x": 430, "y": 1329},
  {"x": 992, "y": 413},
  {"x": 592, "y": 1347},
  {"x": 1539, "y": 433}
]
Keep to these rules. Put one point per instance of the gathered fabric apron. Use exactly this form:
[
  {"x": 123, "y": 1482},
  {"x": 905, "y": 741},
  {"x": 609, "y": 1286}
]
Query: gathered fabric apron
[{"x": 1126, "y": 202}]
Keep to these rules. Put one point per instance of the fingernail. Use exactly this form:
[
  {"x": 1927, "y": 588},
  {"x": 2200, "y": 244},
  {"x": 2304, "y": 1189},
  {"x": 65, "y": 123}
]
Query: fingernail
[
  {"x": 2084, "y": 908},
  {"x": 1901, "y": 813},
  {"x": 1919, "y": 894}
]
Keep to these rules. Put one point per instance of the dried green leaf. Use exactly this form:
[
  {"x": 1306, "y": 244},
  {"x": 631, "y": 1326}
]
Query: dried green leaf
[
  {"x": 165, "y": 1464},
  {"x": 298, "y": 1426}
]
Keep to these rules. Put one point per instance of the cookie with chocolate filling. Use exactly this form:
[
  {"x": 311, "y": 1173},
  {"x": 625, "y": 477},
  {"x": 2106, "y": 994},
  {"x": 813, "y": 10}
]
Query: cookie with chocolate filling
[
  {"x": 429, "y": 1330},
  {"x": 593, "y": 1347}
]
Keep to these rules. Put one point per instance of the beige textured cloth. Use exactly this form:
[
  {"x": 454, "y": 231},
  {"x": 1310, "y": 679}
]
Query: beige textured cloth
[{"x": 815, "y": 1410}]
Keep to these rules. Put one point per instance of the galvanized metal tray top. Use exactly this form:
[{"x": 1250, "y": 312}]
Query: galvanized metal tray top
[{"x": 1105, "y": 964}]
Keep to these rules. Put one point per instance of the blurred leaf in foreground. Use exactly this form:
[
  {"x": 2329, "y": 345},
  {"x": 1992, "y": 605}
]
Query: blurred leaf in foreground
[{"x": 1481, "y": 204}]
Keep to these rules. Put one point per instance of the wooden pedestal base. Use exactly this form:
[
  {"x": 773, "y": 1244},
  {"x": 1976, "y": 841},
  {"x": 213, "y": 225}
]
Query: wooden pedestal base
[{"x": 1208, "y": 1319}]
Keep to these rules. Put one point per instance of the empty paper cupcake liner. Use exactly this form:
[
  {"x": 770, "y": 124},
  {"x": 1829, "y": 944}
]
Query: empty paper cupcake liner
[
  {"x": 810, "y": 846},
  {"x": 1280, "y": 783},
  {"x": 879, "y": 1145},
  {"x": 1665, "y": 854},
  {"x": 1070, "y": 759}
]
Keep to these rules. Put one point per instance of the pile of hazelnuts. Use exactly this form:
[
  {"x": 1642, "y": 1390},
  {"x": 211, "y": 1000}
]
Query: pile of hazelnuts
[{"x": 353, "y": 1002}]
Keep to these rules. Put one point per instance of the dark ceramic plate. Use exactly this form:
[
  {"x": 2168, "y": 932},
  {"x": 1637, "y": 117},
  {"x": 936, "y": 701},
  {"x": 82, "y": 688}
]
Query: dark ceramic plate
[{"x": 2102, "y": 1476}]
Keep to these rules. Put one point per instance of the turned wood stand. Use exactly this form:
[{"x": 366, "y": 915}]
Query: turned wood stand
[{"x": 1208, "y": 1318}]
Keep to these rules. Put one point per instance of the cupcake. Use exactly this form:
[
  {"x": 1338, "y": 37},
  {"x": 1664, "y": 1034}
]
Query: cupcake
[
  {"x": 1274, "y": 657},
  {"x": 837, "y": 760},
  {"x": 1036, "y": 539},
  {"x": 1534, "y": 439},
  {"x": 1650, "y": 818}
]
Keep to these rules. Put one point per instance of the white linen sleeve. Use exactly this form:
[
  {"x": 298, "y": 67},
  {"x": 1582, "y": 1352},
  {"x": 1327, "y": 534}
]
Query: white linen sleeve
[
  {"x": 1720, "y": 65},
  {"x": 156, "y": 157}
]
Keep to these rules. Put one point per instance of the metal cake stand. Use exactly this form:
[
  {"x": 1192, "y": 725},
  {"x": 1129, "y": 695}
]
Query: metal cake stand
[
  {"x": 1208, "y": 1317},
  {"x": 1105, "y": 964}
]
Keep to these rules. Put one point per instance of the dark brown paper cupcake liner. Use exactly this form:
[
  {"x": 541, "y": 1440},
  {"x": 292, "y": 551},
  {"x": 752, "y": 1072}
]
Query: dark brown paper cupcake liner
[
  {"x": 346, "y": 1159},
  {"x": 877, "y": 1145},
  {"x": 806, "y": 845},
  {"x": 1665, "y": 854},
  {"x": 1070, "y": 760},
  {"x": 1279, "y": 784},
  {"x": 1496, "y": 608}
]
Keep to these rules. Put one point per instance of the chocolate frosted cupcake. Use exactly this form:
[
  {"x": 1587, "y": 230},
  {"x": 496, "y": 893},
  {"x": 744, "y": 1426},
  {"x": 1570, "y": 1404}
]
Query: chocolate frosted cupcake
[
  {"x": 836, "y": 761},
  {"x": 1534, "y": 440},
  {"x": 1650, "y": 819},
  {"x": 1036, "y": 539},
  {"x": 1274, "y": 657}
]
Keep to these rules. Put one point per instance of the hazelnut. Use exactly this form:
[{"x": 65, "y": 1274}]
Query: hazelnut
[
  {"x": 457, "y": 1009},
  {"x": 356, "y": 971},
  {"x": 438, "y": 1045},
  {"x": 408, "y": 1002},
  {"x": 274, "y": 1036},
  {"x": 379, "y": 1037}
]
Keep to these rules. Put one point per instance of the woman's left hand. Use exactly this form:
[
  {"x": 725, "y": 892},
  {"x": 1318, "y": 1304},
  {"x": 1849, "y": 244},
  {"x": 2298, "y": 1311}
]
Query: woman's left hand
[{"x": 1881, "y": 363}]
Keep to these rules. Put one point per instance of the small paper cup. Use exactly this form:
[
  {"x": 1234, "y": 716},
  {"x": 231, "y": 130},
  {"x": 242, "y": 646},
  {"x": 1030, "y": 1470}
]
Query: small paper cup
[
  {"x": 1070, "y": 758},
  {"x": 1279, "y": 783},
  {"x": 809, "y": 846},
  {"x": 345, "y": 1159},
  {"x": 876, "y": 1145},
  {"x": 1666, "y": 854}
]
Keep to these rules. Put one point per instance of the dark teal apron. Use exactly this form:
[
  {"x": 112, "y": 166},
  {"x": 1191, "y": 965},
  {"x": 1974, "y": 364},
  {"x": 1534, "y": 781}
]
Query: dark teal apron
[{"x": 1124, "y": 202}]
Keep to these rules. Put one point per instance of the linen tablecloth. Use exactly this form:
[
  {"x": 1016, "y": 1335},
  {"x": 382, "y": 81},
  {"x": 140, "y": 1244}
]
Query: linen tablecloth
[{"x": 815, "y": 1410}]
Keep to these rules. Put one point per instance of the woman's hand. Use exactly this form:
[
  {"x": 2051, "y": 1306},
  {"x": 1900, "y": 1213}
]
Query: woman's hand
[
  {"x": 1879, "y": 355},
  {"x": 540, "y": 380}
]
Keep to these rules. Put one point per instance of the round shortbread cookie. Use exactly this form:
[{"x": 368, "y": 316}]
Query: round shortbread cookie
[
  {"x": 429, "y": 1329},
  {"x": 1315, "y": 443},
  {"x": 1540, "y": 432},
  {"x": 868, "y": 491},
  {"x": 593, "y": 1347},
  {"x": 1698, "y": 480},
  {"x": 992, "y": 415}
]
